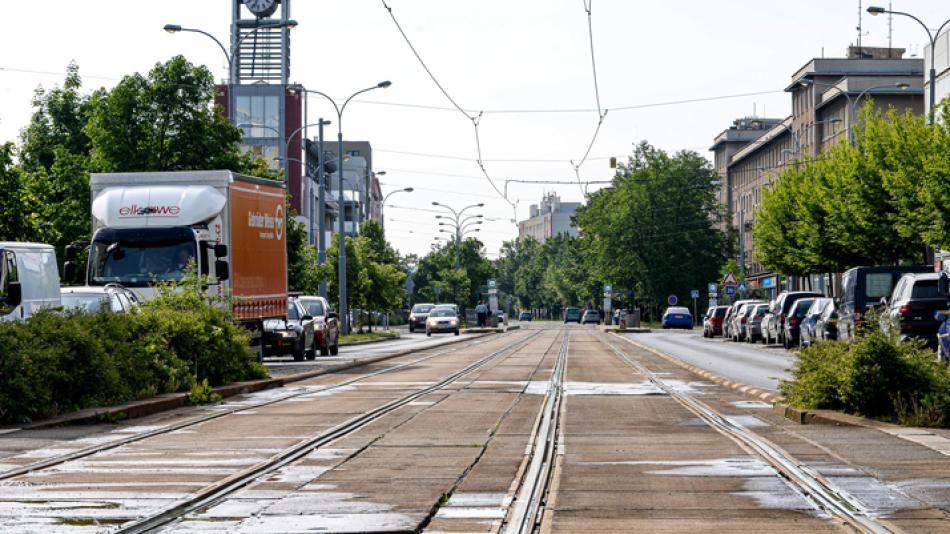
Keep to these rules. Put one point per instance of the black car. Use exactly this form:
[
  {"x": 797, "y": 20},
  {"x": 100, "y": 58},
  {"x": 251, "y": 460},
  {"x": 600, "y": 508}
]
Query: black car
[
  {"x": 792, "y": 329},
  {"x": 418, "y": 316},
  {"x": 910, "y": 310},
  {"x": 295, "y": 335},
  {"x": 779, "y": 311},
  {"x": 525, "y": 316},
  {"x": 862, "y": 288}
]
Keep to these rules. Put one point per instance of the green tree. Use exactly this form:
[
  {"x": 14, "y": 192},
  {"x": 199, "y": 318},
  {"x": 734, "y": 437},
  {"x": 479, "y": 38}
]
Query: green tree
[{"x": 13, "y": 223}]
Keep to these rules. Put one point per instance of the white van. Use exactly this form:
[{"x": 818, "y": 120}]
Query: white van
[{"x": 29, "y": 279}]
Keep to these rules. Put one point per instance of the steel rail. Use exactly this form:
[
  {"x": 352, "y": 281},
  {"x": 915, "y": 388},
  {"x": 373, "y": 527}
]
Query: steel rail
[
  {"x": 526, "y": 509},
  {"x": 100, "y": 447},
  {"x": 214, "y": 493},
  {"x": 811, "y": 484}
]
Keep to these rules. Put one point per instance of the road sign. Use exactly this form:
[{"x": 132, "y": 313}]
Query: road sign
[
  {"x": 713, "y": 301},
  {"x": 438, "y": 291},
  {"x": 694, "y": 294},
  {"x": 729, "y": 279},
  {"x": 730, "y": 290},
  {"x": 672, "y": 300},
  {"x": 608, "y": 289},
  {"x": 742, "y": 286},
  {"x": 491, "y": 284},
  {"x": 713, "y": 287}
]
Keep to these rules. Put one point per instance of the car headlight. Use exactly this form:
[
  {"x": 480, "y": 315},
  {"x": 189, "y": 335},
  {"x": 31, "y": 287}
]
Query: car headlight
[
  {"x": 454, "y": 322},
  {"x": 412, "y": 317},
  {"x": 288, "y": 333}
]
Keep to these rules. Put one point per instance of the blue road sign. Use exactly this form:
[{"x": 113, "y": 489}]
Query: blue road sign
[
  {"x": 672, "y": 300},
  {"x": 742, "y": 286},
  {"x": 694, "y": 294},
  {"x": 730, "y": 290}
]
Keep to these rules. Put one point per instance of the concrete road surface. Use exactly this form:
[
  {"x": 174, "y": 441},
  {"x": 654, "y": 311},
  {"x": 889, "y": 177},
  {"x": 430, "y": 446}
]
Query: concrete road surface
[
  {"x": 752, "y": 364},
  {"x": 444, "y": 440}
]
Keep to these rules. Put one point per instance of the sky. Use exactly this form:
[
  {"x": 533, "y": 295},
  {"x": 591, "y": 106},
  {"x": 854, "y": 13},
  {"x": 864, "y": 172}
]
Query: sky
[{"x": 525, "y": 65}]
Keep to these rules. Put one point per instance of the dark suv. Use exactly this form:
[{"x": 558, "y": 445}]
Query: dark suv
[
  {"x": 910, "y": 310},
  {"x": 779, "y": 311},
  {"x": 863, "y": 288}
]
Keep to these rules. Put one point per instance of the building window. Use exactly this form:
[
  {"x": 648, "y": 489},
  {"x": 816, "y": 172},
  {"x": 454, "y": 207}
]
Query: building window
[
  {"x": 258, "y": 116},
  {"x": 353, "y": 153}
]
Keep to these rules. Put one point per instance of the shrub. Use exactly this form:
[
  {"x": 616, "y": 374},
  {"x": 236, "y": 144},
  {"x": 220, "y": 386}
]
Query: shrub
[
  {"x": 56, "y": 362},
  {"x": 876, "y": 376}
]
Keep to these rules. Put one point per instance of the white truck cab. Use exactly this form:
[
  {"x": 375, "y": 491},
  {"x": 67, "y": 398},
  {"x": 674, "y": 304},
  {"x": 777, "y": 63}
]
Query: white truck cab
[{"x": 29, "y": 279}]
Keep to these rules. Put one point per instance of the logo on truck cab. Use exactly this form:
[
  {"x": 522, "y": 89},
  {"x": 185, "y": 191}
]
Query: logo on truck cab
[{"x": 155, "y": 211}]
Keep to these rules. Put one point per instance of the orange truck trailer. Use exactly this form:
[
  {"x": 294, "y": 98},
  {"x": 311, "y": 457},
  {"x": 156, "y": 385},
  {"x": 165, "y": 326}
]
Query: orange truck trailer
[{"x": 149, "y": 226}]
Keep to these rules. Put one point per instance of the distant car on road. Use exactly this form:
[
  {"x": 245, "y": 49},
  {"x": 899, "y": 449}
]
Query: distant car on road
[
  {"x": 572, "y": 315},
  {"x": 712, "y": 321},
  {"x": 295, "y": 335},
  {"x": 418, "y": 315},
  {"x": 677, "y": 317},
  {"x": 501, "y": 318},
  {"x": 730, "y": 313},
  {"x": 739, "y": 320},
  {"x": 442, "y": 320},
  {"x": 910, "y": 310},
  {"x": 809, "y": 326},
  {"x": 92, "y": 299},
  {"x": 525, "y": 316},
  {"x": 326, "y": 326},
  {"x": 591, "y": 316}
]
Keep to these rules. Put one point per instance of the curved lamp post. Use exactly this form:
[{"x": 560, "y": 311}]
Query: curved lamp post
[
  {"x": 457, "y": 219},
  {"x": 382, "y": 208}
]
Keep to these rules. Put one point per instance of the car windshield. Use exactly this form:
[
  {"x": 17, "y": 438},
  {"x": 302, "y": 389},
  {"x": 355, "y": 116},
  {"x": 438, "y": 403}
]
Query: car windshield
[
  {"x": 442, "y": 312},
  {"x": 721, "y": 312},
  {"x": 138, "y": 259},
  {"x": 292, "y": 312},
  {"x": 313, "y": 307},
  {"x": 422, "y": 308},
  {"x": 88, "y": 302},
  {"x": 925, "y": 289},
  {"x": 802, "y": 306}
]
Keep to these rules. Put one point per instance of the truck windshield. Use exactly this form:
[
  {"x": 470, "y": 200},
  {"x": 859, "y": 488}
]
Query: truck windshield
[{"x": 140, "y": 257}]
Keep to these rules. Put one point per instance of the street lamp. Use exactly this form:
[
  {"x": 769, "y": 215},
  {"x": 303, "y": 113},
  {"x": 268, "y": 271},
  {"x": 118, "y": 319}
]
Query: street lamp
[
  {"x": 457, "y": 219},
  {"x": 382, "y": 208},
  {"x": 342, "y": 238},
  {"x": 876, "y": 10},
  {"x": 229, "y": 56}
]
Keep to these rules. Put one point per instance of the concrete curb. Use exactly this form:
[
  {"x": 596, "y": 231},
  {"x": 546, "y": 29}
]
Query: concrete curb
[
  {"x": 171, "y": 401},
  {"x": 369, "y": 341},
  {"x": 920, "y": 436}
]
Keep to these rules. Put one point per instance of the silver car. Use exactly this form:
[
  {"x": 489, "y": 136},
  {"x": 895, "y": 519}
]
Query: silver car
[{"x": 753, "y": 327}]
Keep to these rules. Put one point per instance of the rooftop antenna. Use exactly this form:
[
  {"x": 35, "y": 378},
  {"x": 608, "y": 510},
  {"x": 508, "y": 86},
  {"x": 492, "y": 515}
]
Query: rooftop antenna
[
  {"x": 890, "y": 27},
  {"x": 860, "y": 18}
]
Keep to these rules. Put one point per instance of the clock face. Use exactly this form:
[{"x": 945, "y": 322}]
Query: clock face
[{"x": 261, "y": 8}]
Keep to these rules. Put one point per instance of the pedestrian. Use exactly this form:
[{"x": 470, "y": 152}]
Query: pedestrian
[{"x": 482, "y": 311}]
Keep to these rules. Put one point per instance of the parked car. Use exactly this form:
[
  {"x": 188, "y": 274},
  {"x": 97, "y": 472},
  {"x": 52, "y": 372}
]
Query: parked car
[
  {"x": 590, "y": 316},
  {"x": 809, "y": 324},
  {"x": 442, "y": 320},
  {"x": 943, "y": 335},
  {"x": 712, "y": 321},
  {"x": 739, "y": 320},
  {"x": 766, "y": 321},
  {"x": 730, "y": 313},
  {"x": 863, "y": 288},
  {"x": 418, "y": 316},
  {"x": 525, "y": 316},
  {"x": 326, "y": 326},
  {"x": 911, "y": 309},
  {"x": 92, "y": 299},
  {"x": 753, "y": 327},
  {"x": 774, "y": 329},
  {"x": 677, "y": 317},
  {"x": 501, "y": 318},
  {"x": 294, "y": 335},
  {"x": 572, "y": 315},
  {"x": 792, "y": 329},
  {"x": 826, "y": 327}
]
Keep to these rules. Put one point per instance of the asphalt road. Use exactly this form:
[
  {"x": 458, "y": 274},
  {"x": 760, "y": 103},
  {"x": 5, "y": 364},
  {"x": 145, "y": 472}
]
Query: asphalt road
[{"x": 755, "y": 365}]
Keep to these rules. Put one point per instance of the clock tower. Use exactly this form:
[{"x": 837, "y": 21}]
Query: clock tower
[{"x": 269, "y": 115}]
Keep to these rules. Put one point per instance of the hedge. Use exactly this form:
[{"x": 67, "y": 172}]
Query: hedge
[{"x": 60, "y": 361}]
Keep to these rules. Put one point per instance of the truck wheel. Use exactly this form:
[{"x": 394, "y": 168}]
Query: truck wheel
[
  {"x": 312, "y": 353},
  {"x": 335, "y": 348},
  {"x": 299, "y": 354},
  {"x": 324, "y": 351}
]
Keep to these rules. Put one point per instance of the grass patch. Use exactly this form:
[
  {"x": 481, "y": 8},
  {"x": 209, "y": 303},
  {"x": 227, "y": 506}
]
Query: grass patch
[{"x": 367, "y": 336}]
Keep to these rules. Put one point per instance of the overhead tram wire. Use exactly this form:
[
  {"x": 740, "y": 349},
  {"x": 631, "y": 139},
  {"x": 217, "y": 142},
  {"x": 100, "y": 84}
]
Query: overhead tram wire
[
  {"x": 601, "y": 113},
  {"x": 474, "y": 119}
]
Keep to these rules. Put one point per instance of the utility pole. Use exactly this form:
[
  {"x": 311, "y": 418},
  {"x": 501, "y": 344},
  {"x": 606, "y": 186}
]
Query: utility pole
[{"x": 322, "y": 207}]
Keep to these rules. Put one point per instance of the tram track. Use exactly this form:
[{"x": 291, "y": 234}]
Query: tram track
[
  {"x": 297, "y": 391},
  {"x": 527, "y": 508},
  {"x": 822, "y": 493},
  {"x": 220, "y": 490}
]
